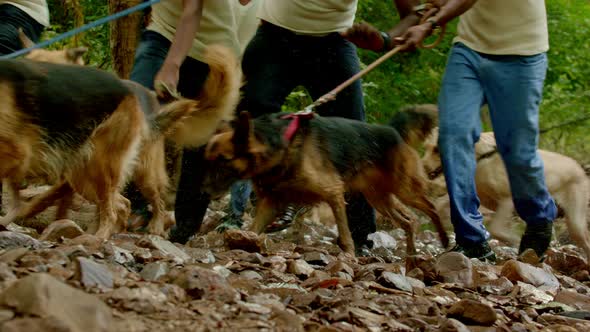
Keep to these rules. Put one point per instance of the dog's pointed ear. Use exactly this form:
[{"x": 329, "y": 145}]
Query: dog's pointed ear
[
  {"x": 24, "y": 40},
  {"x": 75, "y": 54},
  {"x": 242, "y": 132}
]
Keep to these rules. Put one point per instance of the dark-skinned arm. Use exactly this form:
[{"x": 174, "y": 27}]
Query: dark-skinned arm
[
  {"x": 366, "y": 36},
  {"x": 407, "y": 15},
  {"x": 447, "y": 12},
  {"x": 186, "y": 30}
]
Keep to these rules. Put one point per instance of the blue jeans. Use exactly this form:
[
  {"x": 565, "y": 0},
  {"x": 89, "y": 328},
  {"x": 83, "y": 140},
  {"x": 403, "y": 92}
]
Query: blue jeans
[
  {"x": 512, "y": 88},
  {"x": 275, "y": 62},
  {"x": 12, "y": 18},
  {"x": 191, "y": 204},
  {"x": 240, "y": 193}
]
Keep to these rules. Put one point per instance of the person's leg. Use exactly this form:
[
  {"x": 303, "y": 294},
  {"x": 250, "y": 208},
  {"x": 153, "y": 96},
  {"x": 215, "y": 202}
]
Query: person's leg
[
  {"x": 191, "y": 203},
  {"x": 240, "y": 193},
  {"x": 514, "y": 87},
  {"x": 269, "y": 79},
  {"x": 460, "y": 101},
  {"x": 149, "y": 57},
  {"x": 11, "y": 19},
  {"x": 269, "y": 70},
  {"x": 331, "y": 61}
]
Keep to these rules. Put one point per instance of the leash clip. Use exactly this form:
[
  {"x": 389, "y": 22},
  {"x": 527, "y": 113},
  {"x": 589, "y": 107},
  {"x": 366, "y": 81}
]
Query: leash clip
[{"x": 295, "y": 122}]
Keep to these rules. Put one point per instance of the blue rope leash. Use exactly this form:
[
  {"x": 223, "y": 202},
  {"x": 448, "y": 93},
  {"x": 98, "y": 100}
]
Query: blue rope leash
[{"x": 81, "y": 29}]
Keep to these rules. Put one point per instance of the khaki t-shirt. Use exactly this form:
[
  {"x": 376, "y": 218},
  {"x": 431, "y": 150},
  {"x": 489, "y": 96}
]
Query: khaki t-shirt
[
  {"x": 218, "y": 24},
  {"x": 505, "y": 27},
  {"x": 37, "y": 9},
  {"x": 247, "y": 21},
  {"x": 314, "y": 17}
]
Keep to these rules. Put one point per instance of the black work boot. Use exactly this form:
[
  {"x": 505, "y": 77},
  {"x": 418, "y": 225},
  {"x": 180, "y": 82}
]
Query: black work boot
[
  {"x": 536, "y": 237},
  {"x": 481, "y": 251}
]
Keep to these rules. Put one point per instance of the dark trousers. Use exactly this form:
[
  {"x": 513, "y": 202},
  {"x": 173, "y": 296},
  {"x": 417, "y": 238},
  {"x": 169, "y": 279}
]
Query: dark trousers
[
  {"x": 276, "y": 61},
  {"x": 12, "y": 18},
  {"x": 191, "y": 204}
]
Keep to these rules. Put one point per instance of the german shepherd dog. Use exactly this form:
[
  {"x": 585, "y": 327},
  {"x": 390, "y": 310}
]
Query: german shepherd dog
[
  {"x": 292, "y": 159},
  {"x": 86, "y": 131}
]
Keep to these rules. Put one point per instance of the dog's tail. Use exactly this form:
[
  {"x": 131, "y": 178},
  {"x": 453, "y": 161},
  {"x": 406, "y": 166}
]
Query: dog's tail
[
  {"x": 190, "y": 122},
  {"x": 415, "y": 123}
]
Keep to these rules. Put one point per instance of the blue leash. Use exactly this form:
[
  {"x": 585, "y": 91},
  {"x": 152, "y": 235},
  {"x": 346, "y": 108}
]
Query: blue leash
[{"x": 83, "y": 28}]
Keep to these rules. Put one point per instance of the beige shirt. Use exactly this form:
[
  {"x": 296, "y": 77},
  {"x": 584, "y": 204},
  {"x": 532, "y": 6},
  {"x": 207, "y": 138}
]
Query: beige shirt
[
  {"x": 218, "y": 24},
  {"x": 314, "y": 17},
  {"x": 247, "y": 21},
  {"x": 37, "y": 9},
  {"x": 505, "y": 27}
]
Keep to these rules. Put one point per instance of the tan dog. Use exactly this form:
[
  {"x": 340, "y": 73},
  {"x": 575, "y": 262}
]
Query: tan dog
[
  {"x": 85, "y": 131},
  {"x": 66, "y": 56},
  {"x": 565, "y": 178}
]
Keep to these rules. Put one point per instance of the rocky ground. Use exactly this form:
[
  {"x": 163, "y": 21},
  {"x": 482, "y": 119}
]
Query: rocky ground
[{"x": 294, "y": 280}]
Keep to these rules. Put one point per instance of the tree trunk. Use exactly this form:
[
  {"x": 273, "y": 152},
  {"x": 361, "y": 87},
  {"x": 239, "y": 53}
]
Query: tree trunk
[{"x": 124, "y": 36}]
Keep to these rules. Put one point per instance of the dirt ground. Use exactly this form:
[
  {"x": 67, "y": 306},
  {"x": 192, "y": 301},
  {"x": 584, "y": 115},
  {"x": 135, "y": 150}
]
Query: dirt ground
[{"x": 293, "y": 280}]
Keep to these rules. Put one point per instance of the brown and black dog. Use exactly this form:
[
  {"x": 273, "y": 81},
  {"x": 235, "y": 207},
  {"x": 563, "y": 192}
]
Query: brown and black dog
[
  {"x": 293, "y": 159},
  {"x": 86, "y": 131}
]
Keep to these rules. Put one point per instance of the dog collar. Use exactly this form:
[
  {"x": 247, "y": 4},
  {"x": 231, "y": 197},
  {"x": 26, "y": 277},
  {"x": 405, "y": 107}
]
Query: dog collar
[
  {"x": 437, "y": 172},
  {"x": 295, "y": 123}
]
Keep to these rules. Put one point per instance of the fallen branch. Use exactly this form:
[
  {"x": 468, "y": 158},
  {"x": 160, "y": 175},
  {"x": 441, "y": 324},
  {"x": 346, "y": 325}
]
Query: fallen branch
[{"x": 576, "y": 121}]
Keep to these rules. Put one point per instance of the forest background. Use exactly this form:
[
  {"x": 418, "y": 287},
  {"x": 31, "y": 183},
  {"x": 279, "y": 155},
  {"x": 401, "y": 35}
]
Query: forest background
[{"x": 405, "y": 79}]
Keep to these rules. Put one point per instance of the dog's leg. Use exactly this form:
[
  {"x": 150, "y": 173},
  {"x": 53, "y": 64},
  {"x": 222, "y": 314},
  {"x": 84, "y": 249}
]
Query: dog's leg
[
  {"x": 64, "y": 204},
  {"x": 575, "y": 206},
  {"x": 267, "y": 210},
  {"x": 443, "y": 209},
  {"x": 501, "y": 225},
  {"x": 418, "y": 200},
  {"x": 410, "y": 227},
  {"x": 107, "y": 215},
  {"x": 345, "y": 241},
  {"x": 152, "y": 181},
  {"x": 38, "y": 204},
  {"x": 123, "y": 210},
  {"x": 386, "y": 205},
  {"x": 15, "y": 200}
]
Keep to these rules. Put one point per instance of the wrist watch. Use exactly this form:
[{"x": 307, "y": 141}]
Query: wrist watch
[{"x": 386, "y": 41}]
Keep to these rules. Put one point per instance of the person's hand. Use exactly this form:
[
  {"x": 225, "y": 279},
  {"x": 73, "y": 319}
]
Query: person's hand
[
  {"x": 364, "y": 35},
  {"x": 413, "y": 37},
  {"x": 166, "y": 81}
]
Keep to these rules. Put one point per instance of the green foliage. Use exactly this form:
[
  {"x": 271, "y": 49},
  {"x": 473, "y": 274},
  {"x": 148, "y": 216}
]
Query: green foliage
[
  {"x": 97, "y": 39},
  {"x": 567, "y": 87},
  {"x": 415, "y": 77}
]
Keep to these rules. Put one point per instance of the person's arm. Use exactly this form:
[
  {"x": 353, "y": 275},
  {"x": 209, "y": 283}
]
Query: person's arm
[
  {"x": 407, "y": 15},
  {"x": 368, "y": 37},
  {"x": 186, "y": 30},
  {"x": 447, "y": 12}
]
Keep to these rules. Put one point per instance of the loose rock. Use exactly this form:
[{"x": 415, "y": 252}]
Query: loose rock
[
  {"x": 92, "y": 274},
  {"x": 61, "y": 229},
  {"x": 473, "y": 312},
  {"x": 454, "y": 267},
  {"x": 41, "y": 295}
]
